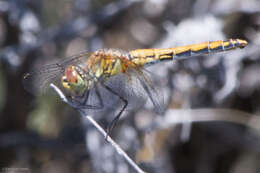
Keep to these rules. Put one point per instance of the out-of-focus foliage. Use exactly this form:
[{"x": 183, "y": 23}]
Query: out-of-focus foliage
[{"x": 41, "y": 134}]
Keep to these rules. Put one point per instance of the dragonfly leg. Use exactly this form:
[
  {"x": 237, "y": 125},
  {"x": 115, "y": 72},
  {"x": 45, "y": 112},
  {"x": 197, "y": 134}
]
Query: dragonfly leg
[{"x": 115, "y": 120}]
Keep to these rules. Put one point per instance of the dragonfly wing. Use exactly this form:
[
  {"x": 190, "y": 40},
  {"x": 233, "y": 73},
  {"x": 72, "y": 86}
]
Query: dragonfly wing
[
  {"x": 130, "y": 91},
  {"x": 151, "y": 90},
  {"x": 127, "y": 89},
  {"x": 37, "y": 82}
]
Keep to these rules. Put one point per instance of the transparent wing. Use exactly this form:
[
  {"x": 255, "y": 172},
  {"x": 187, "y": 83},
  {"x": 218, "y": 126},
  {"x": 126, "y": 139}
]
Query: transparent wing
[
  {"x": 129, "y": 87},
  {"x": 122, "y": 87},
  {"x": 38, "y": 80},
  {"x": 151, "y": 90},
  {"x": 134, "y": 86}
]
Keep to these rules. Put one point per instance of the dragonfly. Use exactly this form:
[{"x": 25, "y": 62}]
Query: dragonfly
[{"x": 103, "y": 78}]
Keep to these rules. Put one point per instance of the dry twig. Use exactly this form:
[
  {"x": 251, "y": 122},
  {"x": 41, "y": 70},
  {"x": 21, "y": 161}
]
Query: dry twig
[{"x": 101, "y": 130}]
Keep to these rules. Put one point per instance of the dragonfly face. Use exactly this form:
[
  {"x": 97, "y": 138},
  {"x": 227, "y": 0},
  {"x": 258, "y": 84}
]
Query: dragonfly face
[{"x": 74, "y": 81}]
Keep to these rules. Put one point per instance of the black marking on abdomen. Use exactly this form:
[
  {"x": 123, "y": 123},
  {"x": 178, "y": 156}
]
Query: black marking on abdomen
[
  {"x": 150, "y": 56},
  {"x": 168, "y": 57},
  {"x": 237, "y": 44},
  {"x": 201, "y": 51},
  {"x": 230, "y": 46},
  {"x": 152, "y": 62},
  {"x": 217, "y": 49},
  {"x": 184, "y": 54}
]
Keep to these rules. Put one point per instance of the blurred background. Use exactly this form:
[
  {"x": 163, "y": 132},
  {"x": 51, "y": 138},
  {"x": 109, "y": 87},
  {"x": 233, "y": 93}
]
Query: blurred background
[{"x": 211, "y": 123}]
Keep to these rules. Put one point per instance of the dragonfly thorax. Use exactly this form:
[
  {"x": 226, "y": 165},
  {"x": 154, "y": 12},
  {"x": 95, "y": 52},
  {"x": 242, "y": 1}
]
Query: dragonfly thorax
[{"x": 74, "y": 80}]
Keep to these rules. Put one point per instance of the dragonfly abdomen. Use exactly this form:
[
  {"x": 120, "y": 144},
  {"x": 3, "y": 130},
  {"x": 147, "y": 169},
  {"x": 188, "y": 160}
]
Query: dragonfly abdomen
[
  {"x": 207, "y": 48},
  {"x": 151, "y": 56}
]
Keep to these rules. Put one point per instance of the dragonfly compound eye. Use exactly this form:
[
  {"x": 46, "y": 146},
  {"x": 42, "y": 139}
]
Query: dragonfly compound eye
[{"x": 73, "y": 81}]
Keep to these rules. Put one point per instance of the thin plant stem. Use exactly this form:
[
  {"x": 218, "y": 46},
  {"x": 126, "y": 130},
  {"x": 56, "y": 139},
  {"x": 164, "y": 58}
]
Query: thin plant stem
[{"x": 119, "y": 150}]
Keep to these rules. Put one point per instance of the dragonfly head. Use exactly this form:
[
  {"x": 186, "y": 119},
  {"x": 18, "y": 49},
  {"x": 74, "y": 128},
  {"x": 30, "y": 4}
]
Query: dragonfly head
[{"x": 73, "y": 80}]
